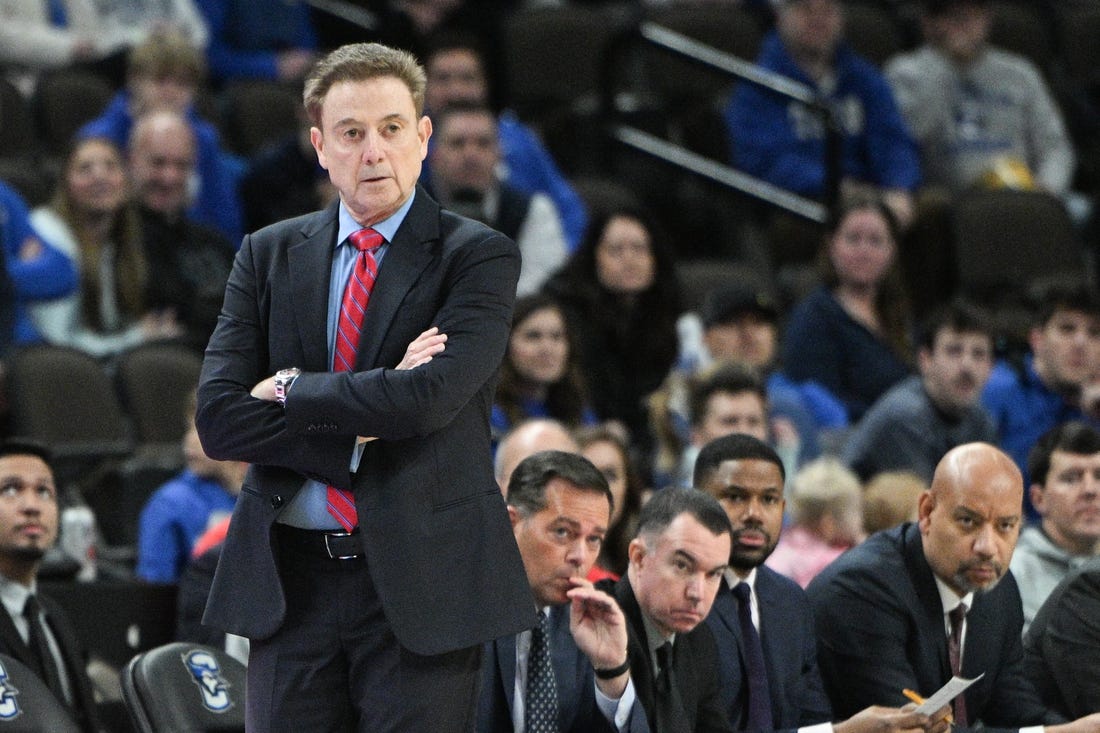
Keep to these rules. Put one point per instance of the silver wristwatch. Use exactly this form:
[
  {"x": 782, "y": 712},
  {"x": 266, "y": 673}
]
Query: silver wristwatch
[{"x": 283, "y": 379}]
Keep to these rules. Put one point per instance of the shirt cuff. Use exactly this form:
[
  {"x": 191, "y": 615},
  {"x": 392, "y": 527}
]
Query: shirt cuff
[
  {"x": 1033, "y": 729},
  {"x": 617, "y": 711}
]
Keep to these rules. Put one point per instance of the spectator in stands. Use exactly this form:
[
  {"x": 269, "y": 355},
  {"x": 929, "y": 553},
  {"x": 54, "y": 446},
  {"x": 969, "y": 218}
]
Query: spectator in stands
[
  {"x": 728, "y": 398},
  {"x": 540, "y": 376},
  {"x": 973, "y": 107},
  {"x": 784, "y": 142},
  {"x": 165, "y": 73},
  {"x": 621, "y": 299},
  {"x": 189, "y": 263},
  {"x": 1057, "y": 381},
  {"x": 259, "y": 39},
  {"x": 890, "y": 498},
  {"x": 530, "y": 436},
  {"x": 739, "y": 322},
  {"x": 1063, "y": 643},
  {"x": 464, "y": 159},
  {"x": 33, "y": 270},
  {"x": 457, "y": 73},
  {"x": 180, "y": 511},
  {"x": 93, "y": 223},
  {"x": 43, "y": 35},
  {"x": 826, "y": 519},
  {"x": 914, "y": 424},
  {"x": 36, "y": 630},
  {"x": 608, "y": 451},
  {"x": 851, "y": 335},
  {"x": 284, "y": 181},
  {"x": 1065, "y": 490}
]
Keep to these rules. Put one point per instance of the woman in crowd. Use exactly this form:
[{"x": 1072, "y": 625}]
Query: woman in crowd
[
  {"x": 539, "y": 376},
  {"x": 608, "y": 450},
  {"x": 852, "y": 335},
  {"x": 93, "y": 222},
  {"x": 621, "y": 299}
]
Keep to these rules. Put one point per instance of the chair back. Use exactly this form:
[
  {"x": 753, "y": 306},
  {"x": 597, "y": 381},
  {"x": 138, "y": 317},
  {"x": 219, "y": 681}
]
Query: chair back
[
  {"x": 27, "y": 705},
  {"x": 184, "y": 687},
  {"x": 156, "y": 381}
]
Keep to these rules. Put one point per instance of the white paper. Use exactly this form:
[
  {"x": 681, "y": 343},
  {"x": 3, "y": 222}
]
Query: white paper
[{"x": 954, "y": 687}]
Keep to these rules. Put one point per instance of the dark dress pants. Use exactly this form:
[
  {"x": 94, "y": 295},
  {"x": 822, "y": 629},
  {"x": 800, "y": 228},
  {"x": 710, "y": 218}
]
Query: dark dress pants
[{"x": 335, "y": 665}]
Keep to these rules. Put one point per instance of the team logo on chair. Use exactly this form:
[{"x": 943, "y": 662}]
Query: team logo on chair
[
  {"x": 9, "y": 706},
  {"x": 207, "y": 675}
]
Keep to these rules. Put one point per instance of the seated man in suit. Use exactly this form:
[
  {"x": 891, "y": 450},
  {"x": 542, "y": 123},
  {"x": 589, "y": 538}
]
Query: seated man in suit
[
  {"x": 914, "y": 605},
  {"x": 782, "y": 688},
  {"x": 560, "y": 506},
  {"x": 33, "y": 629},
  {"x": 1063, "y": 643},
  {"x": 676, "y": 563}
]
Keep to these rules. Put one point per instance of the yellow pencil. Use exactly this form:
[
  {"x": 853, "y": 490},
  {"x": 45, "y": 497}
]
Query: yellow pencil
[{"x": 915, "y": 697}]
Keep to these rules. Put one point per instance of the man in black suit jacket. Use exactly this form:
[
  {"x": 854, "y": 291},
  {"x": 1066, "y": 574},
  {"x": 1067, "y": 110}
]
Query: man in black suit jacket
[
  {"x": 560, "y": 506},
  {"x": 747, "y": 477},
  {"x": 1063, "y": 643},
  {"x": 28, "y": 527},
  {"x": 376, "y": 624},
  {"x": 676, "y": 564},
  {"x": 882, "y": 609}
]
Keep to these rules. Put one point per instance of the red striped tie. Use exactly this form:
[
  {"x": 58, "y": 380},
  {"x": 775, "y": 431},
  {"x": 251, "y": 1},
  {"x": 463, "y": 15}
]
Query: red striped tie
[{"x": 341, "y": 503}]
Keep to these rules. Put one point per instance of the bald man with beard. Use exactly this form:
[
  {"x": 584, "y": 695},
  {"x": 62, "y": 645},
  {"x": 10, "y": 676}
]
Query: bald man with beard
[{"x": 885, "y": 610}]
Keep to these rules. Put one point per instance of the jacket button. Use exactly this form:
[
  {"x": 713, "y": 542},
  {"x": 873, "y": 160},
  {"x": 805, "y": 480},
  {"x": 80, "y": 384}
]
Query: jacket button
[{"x": 276, "y": 501}]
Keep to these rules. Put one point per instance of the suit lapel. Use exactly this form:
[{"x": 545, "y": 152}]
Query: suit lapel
[
  {"x": 772, "y": 616},
  {"x": 927, "y": 608},
  {"x": 310, "y": 265},
  {"x": 506, "y": 668},
  {"x": 565, "y": 674},
  {"x": 406, "y": 257}
]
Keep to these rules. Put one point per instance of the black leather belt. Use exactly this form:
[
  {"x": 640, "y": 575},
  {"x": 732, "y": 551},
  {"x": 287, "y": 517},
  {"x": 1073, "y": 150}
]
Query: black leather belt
[{"x": 329, "y": 544}]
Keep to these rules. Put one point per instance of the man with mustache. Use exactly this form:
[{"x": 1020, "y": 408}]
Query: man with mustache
[
  {"x": 913, "y": 425},
  {"x": 916, "y": 604},
  {"x": 1065, "y": 489},
  {"x": 746, "y": 476}
]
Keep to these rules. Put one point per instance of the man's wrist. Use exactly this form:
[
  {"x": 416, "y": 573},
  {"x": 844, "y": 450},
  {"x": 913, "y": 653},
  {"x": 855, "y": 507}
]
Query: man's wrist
[{"x": 610, "y": 673}]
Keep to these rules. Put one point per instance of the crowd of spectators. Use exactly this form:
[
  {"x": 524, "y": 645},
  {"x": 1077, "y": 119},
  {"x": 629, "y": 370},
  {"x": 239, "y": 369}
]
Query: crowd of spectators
[{"x": 861, "y": 381}]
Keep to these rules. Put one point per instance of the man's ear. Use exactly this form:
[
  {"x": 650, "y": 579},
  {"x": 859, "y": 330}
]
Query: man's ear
[
  {"x": 636, "y": 551},
  {"x": 513, "y": 516},
  {"x": 1035, "y": 491},
  {"x": 925, "y": 504}
]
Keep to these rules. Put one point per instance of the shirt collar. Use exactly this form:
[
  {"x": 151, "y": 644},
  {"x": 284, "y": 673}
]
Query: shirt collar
[
  {"x": 387, "y": 227},
  {"x": 732, "y": 578},
  {"x": 949, "y": 598}
]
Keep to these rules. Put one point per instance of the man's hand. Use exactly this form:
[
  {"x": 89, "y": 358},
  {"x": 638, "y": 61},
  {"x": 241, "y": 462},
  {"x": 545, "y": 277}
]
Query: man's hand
[
  {"x": 877, "y": 719},
  {"x": 599, "y": 630},
  {"x": 420, "y": 351},
  {"x": 423, "y": 348}
]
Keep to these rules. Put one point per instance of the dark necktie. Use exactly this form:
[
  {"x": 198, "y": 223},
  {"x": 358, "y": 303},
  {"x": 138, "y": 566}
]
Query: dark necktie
[
  {"x": 541, "y": 705},
  {"x": 954, "y": 655},
  {"x": 45, "y": 665},
  {"x": 760, "y": 699},
  {"x": 671, "y": 716},
  {"x": 341, "y": 503}
]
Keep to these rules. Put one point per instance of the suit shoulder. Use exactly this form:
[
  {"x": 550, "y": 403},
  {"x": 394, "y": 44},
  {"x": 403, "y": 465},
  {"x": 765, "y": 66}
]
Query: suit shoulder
[{"x": 458, "y": 231}]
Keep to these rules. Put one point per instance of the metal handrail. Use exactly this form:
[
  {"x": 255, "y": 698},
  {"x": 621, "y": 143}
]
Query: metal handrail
[{"x": 701, "y": 53}]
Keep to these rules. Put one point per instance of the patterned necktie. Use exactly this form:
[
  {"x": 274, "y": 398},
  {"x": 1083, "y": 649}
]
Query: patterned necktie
[
  {"x": 954, "y": 655},
  {"x": 341, "y": 503},
  {"x": 45, "y": 664},
  {"x": 760, "y": 705},
  {"x": 541, "y": 704}
]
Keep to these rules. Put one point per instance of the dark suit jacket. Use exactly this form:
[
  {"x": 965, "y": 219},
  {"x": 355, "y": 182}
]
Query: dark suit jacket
[
  {"x": 577, "y": 709},
  {"x": 880, "y": 629},
  {"x": 790, "y": 653},
  {"x": 1063, "y": 644},
  {"x": 12, "y": 644},
  {"x": 437, "y": 537},
  {"x": 695, "y": 657}
]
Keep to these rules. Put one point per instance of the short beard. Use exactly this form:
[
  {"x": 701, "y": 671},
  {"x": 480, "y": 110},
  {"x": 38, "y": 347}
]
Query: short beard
[
  {"x": 968, "y": 587},
  {"x": 25, "y": 554}
]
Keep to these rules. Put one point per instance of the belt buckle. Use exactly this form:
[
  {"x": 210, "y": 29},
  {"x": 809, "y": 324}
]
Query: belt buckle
[{"x": 328, "y": 548}]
